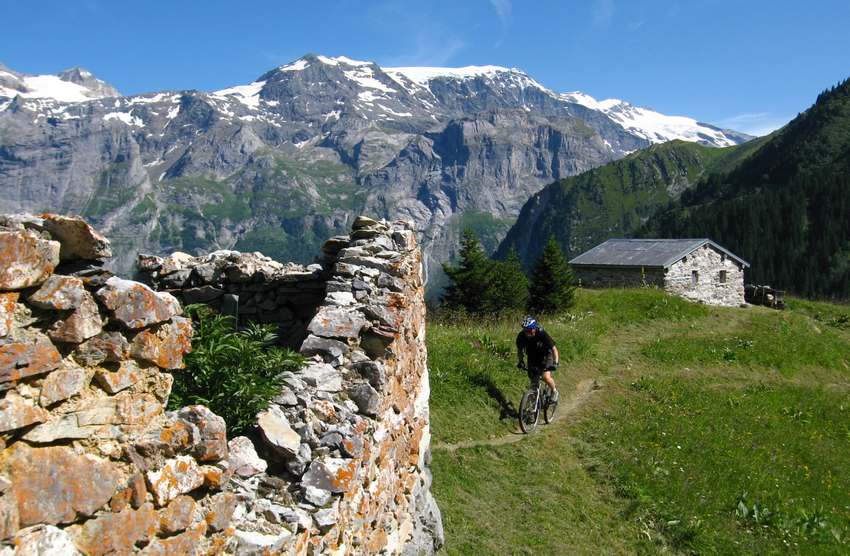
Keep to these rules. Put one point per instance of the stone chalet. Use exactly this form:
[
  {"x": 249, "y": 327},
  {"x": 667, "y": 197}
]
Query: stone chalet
[{"x": 696, "y": 269}]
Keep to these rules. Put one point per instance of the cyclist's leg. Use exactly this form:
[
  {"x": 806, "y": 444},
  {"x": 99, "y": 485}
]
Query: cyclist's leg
[{"x": 547, "y": 377}]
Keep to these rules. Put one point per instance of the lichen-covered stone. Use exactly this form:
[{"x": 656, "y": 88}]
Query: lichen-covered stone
[
  {"x": 243, "y": 458},
  {"x": 164, "y": 345},
  {"x": 111, "y": 347},
  {"x": 27, "y": 358},
  {"x": 7, "y": 312},
  {"x": 9, "y": 520},
  {"x": 17, "y": 412},
  {"x": 329, "y": 350},
  {"x": 212, "y": 444},
  {"x": 80, "y": 325},
  {"x": 332, "y": 322},
  {"x": 62, "y": 383},
  {"x": 44, "y": 540},
  {"x": 332, "y": 474},
  {"x": 25, "y": 259},
  {"x": 128, "y": 374},
  {"x": 221, "y": 508},
  {"x": 367, "y": 399},
  {"x": 177, "y": 516},
  {"x": 115, "y": 532},
  {"x": 184, "y": 544},
  {"x": 178, "y": 476},
  {"x": 55, "y": 485},
  {"x": 136, "y": 305},
  {"x": 277, "y": 432},
  {"x": 78, "y": 239},
  {"x": 127, "y": 408},
  {"x": 59, "y": 293}
]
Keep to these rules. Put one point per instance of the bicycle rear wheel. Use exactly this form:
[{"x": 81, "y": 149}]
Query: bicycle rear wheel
[
  {"x": 528, "y": 411},
  {"x": 549, "y": 407}
]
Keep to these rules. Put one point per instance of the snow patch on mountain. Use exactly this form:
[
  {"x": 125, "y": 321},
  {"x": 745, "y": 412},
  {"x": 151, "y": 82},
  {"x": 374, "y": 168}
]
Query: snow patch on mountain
[
  {"x": 249, "y": 95},
  {"x": 46, "y": 86},
  {"x": 649, "y": 124}
]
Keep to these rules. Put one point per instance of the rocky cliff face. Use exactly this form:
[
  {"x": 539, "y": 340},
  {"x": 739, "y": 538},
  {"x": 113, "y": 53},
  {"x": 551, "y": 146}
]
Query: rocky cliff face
[{"x": 282, "y": 163}]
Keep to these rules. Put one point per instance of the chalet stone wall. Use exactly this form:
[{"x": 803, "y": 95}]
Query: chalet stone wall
[
  {"x": 708, "y": 263},
  {"x": 618, "y": 278},
  {"x": 92, "y": 463}
]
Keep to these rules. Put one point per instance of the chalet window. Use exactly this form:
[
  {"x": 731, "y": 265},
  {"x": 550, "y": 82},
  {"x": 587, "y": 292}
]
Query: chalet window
[
  {"x": 694, "y": 277},
  {"x": 685, "y": 259},
  {"x": 722, "y": 276}
]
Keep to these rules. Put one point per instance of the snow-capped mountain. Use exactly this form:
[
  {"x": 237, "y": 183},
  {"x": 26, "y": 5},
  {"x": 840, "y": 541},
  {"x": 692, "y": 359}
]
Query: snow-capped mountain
[
  {"x": 281, "y": 162},
  {"x": 70, "y": 86}
]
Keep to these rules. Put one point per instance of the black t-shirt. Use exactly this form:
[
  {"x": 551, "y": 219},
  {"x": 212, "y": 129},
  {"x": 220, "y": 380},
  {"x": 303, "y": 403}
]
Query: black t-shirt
[{"x": 536, "y": 347}]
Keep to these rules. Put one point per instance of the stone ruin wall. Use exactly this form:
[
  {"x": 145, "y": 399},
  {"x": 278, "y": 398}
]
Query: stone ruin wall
[{"x": 92, "y": 463}]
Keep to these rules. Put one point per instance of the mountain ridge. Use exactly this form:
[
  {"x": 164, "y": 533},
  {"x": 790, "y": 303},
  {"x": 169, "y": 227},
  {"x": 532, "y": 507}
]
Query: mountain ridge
[{"x": 288, "y": 159}]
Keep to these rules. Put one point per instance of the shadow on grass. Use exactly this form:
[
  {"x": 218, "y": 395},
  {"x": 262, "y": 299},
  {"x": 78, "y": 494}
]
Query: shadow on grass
[{"x": 507, "y": 410}]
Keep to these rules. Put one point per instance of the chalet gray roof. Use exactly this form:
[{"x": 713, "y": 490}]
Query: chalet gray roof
[{"x": 648, "y": 253}]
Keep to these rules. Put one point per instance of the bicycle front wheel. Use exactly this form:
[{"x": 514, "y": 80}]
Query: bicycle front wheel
[
  {"x": 528, "y": 411},
  {"x": 549, "y": 408}
]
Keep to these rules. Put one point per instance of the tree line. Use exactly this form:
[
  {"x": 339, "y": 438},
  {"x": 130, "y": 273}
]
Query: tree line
[{"x": 481, "y": 285}]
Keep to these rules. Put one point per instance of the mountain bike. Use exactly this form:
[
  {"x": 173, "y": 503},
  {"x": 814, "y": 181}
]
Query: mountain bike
[{"x": 537, "y": 399}]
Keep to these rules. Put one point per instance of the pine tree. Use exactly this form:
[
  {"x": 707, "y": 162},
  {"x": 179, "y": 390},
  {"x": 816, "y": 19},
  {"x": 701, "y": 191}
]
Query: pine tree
[
  {"x": 508, "y": 286},
  {"x": 552, "y": 281},
  {"x": 469, "y": 280}
]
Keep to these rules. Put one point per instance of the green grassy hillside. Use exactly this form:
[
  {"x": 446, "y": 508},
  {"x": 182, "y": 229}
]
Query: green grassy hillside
[{"x": 710, "y": 431}]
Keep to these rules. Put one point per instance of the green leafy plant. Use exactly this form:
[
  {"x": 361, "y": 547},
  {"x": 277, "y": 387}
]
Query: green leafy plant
[{"x": 233, "y": 372}]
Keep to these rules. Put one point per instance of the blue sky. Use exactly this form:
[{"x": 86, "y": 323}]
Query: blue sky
[{"x": 746, "y": 64}]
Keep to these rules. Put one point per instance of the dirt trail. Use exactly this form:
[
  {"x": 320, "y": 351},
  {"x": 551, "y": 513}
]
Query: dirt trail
[{"x": 565, "y": 407}]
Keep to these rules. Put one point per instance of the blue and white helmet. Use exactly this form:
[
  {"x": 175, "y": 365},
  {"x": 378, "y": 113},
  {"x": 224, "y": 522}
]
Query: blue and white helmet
[{"x": 529, "y": 323}]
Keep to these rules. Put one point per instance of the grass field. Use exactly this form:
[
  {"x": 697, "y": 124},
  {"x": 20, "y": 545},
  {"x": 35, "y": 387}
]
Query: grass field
[{"x": 714, "y": 431}]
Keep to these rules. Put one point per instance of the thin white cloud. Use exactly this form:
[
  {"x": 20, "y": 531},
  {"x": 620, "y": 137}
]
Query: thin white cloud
[
  {"x": 635, "y": 25},
  {"x": 503, "y": 10},
  {"x": 603, "y": 12},
  {"x": 754, "y": 123},
  {"x": 430, "y": 51}
]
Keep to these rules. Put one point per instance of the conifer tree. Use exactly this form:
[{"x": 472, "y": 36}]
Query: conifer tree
[
  {"x": 508, "y": 286},
  {"x": 469, "y": 279},
  {"x": 552, "y": 281}
]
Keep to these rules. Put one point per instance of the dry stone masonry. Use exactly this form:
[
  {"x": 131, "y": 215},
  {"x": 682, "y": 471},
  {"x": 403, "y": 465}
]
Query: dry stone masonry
[{"x": 92, "y": 463}]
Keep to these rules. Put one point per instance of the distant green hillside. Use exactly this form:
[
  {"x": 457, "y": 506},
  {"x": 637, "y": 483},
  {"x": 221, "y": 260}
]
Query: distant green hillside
[
  {"x": 712, "y": 431},
  {"x": 616, "y": 199},
  {"x": 786, "y": 208}
]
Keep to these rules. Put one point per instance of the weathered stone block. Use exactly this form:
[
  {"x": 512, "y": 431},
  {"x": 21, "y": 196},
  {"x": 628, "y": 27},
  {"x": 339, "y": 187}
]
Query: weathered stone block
[
  {"x": 221, "y": 509},
  {"x": 329, "y": 350},
  {"x": 44, "y": 540},
  {"x": 277, "y": 432},
  {"x": 9, "y": 519},
  {"x": 55, "y": 485},
  {"x": 127, "y": 375},
  {"x": 82, "y": 324},
  {"x": 115, "y": 532},
  {"x": 212, "y": 444},
  {"x": 111, "y": 347},
  {"x": 59, "y": 293},
  {"x": 184, "y": 544},
  {"x": 367, "y": 399},
  {"x": 165, "y": 345},
  {"x": 78, "y": 239},
  {"x": 243, "y": 458},
  {"x": 136, "y": 305},
  {"x": 331, "y": 322},
  {"x": 27, "y": 358},
  {"x": 178, "y": 476},
  {"x": 321, "y": 376},
  {"x": 7, "y": 312},
  {"x": 63, "y": 383},
  {"x": 17, "y": 412},
  {"x": 25, "y": 259},
  {"x": 332, "y": 474},
  {"x": 177, "y": 516}
]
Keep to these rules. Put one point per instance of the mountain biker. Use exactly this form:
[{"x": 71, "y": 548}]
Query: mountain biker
[{"x": 541, "y": 351}]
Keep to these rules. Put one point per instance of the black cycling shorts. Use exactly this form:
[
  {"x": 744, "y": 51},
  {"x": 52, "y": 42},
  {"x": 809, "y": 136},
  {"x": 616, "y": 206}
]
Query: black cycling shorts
[{"x": 540, "y": 368}]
